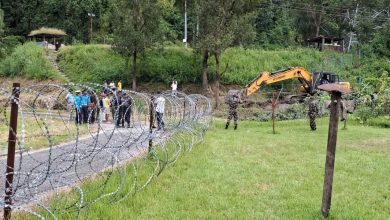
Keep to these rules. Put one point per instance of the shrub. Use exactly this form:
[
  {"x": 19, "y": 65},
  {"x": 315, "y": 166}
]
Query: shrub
[
  {"x": 97, "y": 62},
  {"x": 92, "y": 63},
  {"x": 171, "y": 62},
  {"x": 29, "y": 61},
  {"x": 8, "y": 43}
]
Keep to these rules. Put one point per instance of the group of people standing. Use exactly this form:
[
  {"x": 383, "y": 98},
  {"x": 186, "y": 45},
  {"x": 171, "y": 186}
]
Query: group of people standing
[
  {"x": 121, "y": 108},
  {"x": 84, "y": 104},
  {"x": 112, "y": 100},
  {"x": 89, "y": 107}
]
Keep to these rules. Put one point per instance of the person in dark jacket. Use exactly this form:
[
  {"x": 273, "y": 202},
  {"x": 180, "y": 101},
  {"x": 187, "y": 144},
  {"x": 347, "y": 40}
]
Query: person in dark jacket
[
  {"x": 313, "y": 112},
  {"x": 118, "y": 108},
  {"x": 84, "y": 106},
  {"x": 92, "y": 107},
  {"x": 126, "y": 109},
  {"x": 233, "y": 102}
]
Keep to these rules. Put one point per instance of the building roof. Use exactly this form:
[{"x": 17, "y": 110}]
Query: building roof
[{"x": 47, "y": 32}]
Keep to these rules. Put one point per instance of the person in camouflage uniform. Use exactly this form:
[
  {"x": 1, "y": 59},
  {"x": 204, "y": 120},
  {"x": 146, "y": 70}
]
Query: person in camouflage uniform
[
  {"x": 313, "y": 112},
  {"x": 233, "y": 102}
]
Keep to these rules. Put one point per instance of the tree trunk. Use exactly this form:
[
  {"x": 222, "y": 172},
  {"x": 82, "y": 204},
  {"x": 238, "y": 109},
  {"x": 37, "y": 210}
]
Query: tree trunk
[
  {"x": 134, "y": 75},
  {"x": 318, "y": 25},
  {"x": 205, "y": 83},
  {"x": 318, "y": 20},
  {"x": 217, "y": 78}
]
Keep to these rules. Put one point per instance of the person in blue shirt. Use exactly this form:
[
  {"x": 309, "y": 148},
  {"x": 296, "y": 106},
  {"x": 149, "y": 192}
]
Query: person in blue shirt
[
  {"x": 84, "y": 106},
  {"x": 77, "y": 102}
]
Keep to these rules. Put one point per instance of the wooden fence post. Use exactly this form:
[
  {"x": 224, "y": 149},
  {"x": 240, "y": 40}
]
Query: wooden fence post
[
  {"x": 335, "y": 90},
  {"x": 11, "y": 151},
  {"x": 331, "y": 153}
]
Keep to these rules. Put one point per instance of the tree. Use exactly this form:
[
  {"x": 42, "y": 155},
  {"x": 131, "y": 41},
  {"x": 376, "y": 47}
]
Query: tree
[
  {"x": 22, "y": 16},
  {"x": 137, "y": 27},
  {"x": 2, "y": 26},
  {"x": 223, "y": 23},
  {"x": 275, "y": 25}
]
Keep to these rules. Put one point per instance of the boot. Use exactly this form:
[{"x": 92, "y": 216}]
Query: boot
[
  {"x": 227, "y": 125},
  {"x": 235, "y": 127}
]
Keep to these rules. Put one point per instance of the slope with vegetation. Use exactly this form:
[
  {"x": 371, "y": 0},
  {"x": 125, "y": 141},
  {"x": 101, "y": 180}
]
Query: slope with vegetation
[
  {"x": 30, "y": 61},
  {"x": 240, "y": 65}
]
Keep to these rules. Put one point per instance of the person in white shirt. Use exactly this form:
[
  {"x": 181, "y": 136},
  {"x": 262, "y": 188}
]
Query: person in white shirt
[
  {"x": 174, "y": 87},
  {"x": 70, "y": 101},
  {"x": 160, "y": 106}
]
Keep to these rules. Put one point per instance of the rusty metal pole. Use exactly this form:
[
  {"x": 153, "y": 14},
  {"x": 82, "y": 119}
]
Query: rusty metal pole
[
  {"x": 331, "y": 152},
  {"x": 184, "y": 110},
  {"x": 11, "y": 151},
  {"x": 345, "y": 124},
  {"x": 151, "y": 123}
]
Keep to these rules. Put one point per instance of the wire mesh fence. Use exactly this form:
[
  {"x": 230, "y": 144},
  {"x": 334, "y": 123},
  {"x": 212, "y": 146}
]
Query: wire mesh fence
[{"x": 67, "y": 159}]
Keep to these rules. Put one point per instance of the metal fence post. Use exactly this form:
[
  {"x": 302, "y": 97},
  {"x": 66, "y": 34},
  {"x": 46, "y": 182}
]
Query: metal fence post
[
  {"x": 11, "y": 151},
  {"x": 151, "y": 123}
]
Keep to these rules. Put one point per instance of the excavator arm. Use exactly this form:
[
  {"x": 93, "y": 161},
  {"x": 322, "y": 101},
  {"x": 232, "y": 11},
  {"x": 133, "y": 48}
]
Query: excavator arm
[{"x": 266, "y": 78}]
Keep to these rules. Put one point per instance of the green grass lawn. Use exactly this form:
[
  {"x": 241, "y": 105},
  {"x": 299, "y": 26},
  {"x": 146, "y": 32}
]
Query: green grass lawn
[{"x": 251, "y": 173}]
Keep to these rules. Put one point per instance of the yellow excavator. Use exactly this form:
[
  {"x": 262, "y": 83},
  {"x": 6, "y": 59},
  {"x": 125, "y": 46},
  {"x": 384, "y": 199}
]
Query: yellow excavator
[{"x": 309, "y": 81}]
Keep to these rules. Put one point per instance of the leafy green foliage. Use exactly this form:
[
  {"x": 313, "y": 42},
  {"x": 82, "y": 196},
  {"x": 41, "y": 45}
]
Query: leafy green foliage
[
  {"x": 168, "y": 63},
  {"x": 30, "y": 61},
  {"x": 8, "y": 43},
  {"x": 274, "y": 26},
  {"x": 2, "y": 25},
  {"x": 245, "y": 64},
  {"x": 96, "y": 63},
  {"x": 92, "y": 63},
  {"x": 22, "y": 16},
  {"x": 137, "y": 28},
  {"x": 380, "y": 43}
]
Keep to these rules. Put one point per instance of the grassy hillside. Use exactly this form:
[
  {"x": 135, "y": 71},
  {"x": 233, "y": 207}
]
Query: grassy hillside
[
  {"x": 30, "y": 61},
  {"x": 97, "y": 63},
  {"x": 251, "y": 173},
  {"x": 91, "y": 63}
]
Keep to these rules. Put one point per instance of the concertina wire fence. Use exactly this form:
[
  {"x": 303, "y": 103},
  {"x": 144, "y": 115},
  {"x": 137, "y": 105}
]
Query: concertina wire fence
[{"x": 115, "y": 163}]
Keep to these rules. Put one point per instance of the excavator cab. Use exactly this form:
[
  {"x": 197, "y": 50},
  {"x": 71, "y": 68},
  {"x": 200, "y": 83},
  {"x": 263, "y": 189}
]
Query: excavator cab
[{"x": 319, "y": 78}]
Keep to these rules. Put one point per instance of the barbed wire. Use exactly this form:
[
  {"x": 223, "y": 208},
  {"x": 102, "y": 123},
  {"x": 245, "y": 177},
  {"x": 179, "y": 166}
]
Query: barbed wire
[{"x": 49, "y": 183}]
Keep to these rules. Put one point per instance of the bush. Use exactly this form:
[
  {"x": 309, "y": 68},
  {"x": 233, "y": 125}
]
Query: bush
[
  {"x": 383, "y": 122},
  {"x": 245, "y": 64},
  {"x": 97, "y": 63},
  {"x": 8, "y": 43},
  {"x": 29, "y": 61},
  {"x": 92, "y": 63},
  {"x": 171, "y": 62}
]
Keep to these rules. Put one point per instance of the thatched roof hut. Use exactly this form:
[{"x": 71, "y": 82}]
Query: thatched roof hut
[{"x": 47, "y": 32}]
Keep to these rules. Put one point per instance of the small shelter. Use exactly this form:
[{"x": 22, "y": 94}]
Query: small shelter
[
  {"x": 327, "y": 42},
  {"x": 46, "y": 34}
]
